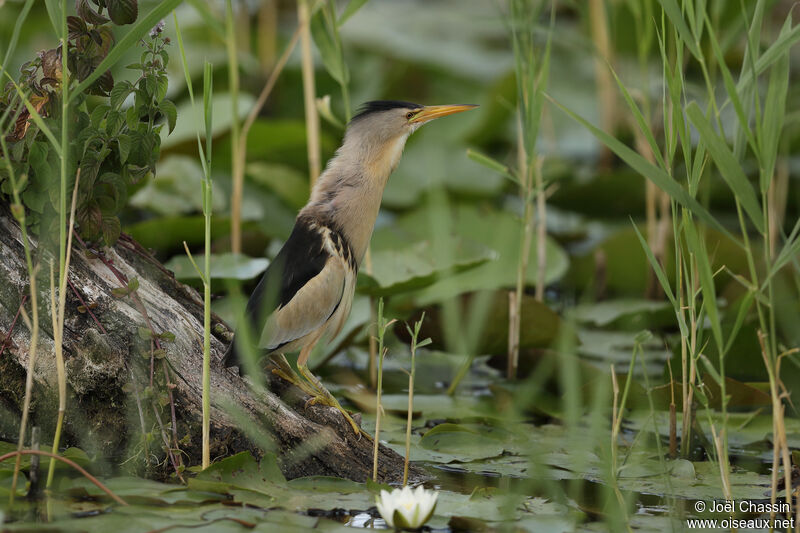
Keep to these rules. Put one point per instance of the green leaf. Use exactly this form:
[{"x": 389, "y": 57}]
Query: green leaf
[
  {"x": 730, "y": 88},
  {"x": 774, "y": 114},
  {"x": 150, "y": 85},
  {"x": 329, "y": 48},
  {"x": 171, "y": 112},
  {"x": 419, "y": 265},
  {"x": 124, "y": 146},
  {"x": 43, "y": 171},
  {"x": 87, "y": 13},
  {"x": 539, "y": 325},
  {"x": 772, "y": 54},
  {"x": 676, "y": 17},
  {"x": 352, "y": 7},
  {"x": 120, "y": 92},
  {"x": 492, "y": 164},
  {"x": 127, "y": 42},
  {"x": 98, "y": 114},
  {"x": 643, "y": 124},
  {"x": 604, "y": 313},
  {"x": 462, "y": 442},
  {"x": 162, "y": 84},
  {"x": 242, "y": 470},
  {"x": 54, "y": 13},
  {"x": 728, "y": 167},
  {"x": 123, "y": 11},
  {"x": 223, "y": 266},
  {"x": 789, "y": 252},
  {"x": 698, "y": 248},
  {"x": 132, "y": 118},
  {"x": 113, "y": 121},
  {"x": 656, "y": 266},
  {"x": 111, "y": 229},
  {"x": 499, "y": 231}
]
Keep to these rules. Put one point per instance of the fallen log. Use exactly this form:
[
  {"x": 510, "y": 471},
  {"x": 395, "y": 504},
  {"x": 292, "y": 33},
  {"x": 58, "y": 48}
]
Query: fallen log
[{"x": 120, "y": 382}]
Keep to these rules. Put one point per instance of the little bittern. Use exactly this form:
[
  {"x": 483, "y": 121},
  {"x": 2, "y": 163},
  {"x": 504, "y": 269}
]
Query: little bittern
[{"x": 307, "y": 291}]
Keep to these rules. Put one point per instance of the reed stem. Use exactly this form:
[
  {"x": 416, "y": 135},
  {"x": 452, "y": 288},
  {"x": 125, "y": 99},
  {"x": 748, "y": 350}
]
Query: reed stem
[{"x": 309, "y": 92}]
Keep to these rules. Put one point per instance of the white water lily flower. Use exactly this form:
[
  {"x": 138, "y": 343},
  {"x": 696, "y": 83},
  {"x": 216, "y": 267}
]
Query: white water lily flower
[{"x": 406, "y": 508}]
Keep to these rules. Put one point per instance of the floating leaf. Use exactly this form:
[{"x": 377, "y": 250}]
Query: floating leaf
[
  {"x": 223, "y": 266},
  {"x": 419, "y": 265},
  {"x": 604, "y": 313}
]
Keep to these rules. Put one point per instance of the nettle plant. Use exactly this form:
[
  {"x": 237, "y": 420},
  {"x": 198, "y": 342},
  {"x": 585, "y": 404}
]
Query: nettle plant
[{"x": 116, "y": 140}]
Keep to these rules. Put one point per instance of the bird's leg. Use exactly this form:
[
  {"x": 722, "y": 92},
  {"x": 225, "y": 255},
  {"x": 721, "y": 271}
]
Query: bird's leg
[
  {"x": 323, "y": 395},
  {"x": 284, "y": 371}
]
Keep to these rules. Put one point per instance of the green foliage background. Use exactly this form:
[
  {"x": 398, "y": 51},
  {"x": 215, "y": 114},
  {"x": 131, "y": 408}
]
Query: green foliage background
[{"x": 447, "y": 240}]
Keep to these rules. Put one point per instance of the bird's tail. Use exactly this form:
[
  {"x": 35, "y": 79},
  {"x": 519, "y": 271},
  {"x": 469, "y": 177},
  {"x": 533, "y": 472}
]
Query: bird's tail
[{"x": 231, "y": 356}]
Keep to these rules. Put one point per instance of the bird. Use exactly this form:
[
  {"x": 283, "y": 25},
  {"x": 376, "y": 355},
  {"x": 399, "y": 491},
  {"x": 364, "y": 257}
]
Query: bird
[{"x": 306, "y": 293}]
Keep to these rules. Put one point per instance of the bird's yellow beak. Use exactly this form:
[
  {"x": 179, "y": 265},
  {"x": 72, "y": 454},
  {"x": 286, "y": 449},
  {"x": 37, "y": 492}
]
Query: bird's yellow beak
[{"x": 431, "y": 112}]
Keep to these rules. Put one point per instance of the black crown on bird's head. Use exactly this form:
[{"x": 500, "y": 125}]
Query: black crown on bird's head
[{"x": 376, "y": 106}]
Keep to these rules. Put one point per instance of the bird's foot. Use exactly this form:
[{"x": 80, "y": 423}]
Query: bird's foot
[
  {"x": 284, "y": 371},
  {"x": 324, "y": 397}
]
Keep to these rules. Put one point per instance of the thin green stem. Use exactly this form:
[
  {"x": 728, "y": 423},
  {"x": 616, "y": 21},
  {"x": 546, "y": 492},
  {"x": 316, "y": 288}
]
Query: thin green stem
[
  {"x": 63, "y": 261},
  {"x": 207, "y": 211},
  {"x": 383, "y": 324},
  {"x": 19, "y": 213},
  {"x": 237, "y": 173}
]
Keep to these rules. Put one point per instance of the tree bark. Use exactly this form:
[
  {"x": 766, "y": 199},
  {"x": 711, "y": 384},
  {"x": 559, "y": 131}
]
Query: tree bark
[{"x": 116, "y": 396}]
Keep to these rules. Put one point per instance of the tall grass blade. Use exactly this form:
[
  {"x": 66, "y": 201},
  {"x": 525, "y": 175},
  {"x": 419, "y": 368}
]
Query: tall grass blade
[
  {"x": 651, "y": 172},
  {"x": 352, "y": 7},
  {"x": 12, "y": 44},
  {"x": 776, "y": 50},
  {"x": 728, "y": 167},
  {"x": 673, "y": 12},
  {"x": 640, "y": 120},
  {"x": 733, "y": 94},
  {"x": 54, "y": 13},
  {"x": 774, "y": 114}
]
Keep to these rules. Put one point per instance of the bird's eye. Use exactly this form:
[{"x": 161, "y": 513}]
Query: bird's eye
[{"x": 409, "y": 115}]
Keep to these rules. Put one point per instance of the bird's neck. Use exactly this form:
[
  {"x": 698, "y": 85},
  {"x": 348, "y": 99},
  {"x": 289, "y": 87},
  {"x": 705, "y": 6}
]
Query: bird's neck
[{"x": 348, "y": 193}]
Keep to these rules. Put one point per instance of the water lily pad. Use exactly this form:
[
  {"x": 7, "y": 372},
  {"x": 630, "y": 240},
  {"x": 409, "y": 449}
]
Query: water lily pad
[
  {"x": 418, "y": 266},
  {"x": 539, "y": 325},
  {"x": 431, "y": 406},
  {"x": 75, "y": 454},
  {"x": 176, "y": 188},
  {"x": 499, "y": 231},
  {"x": 169, "y": 232},
  {"x": 462, "y": 442},
  {"x": 617, "y": 348},
  {"x": 223, "y": 266},
  {"x": 286, "y": 182},
  {"x": 604, "y": 313}
]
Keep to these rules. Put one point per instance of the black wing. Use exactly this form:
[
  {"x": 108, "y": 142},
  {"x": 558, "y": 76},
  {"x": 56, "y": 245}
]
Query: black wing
[{"x": 302, "y": 257}]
